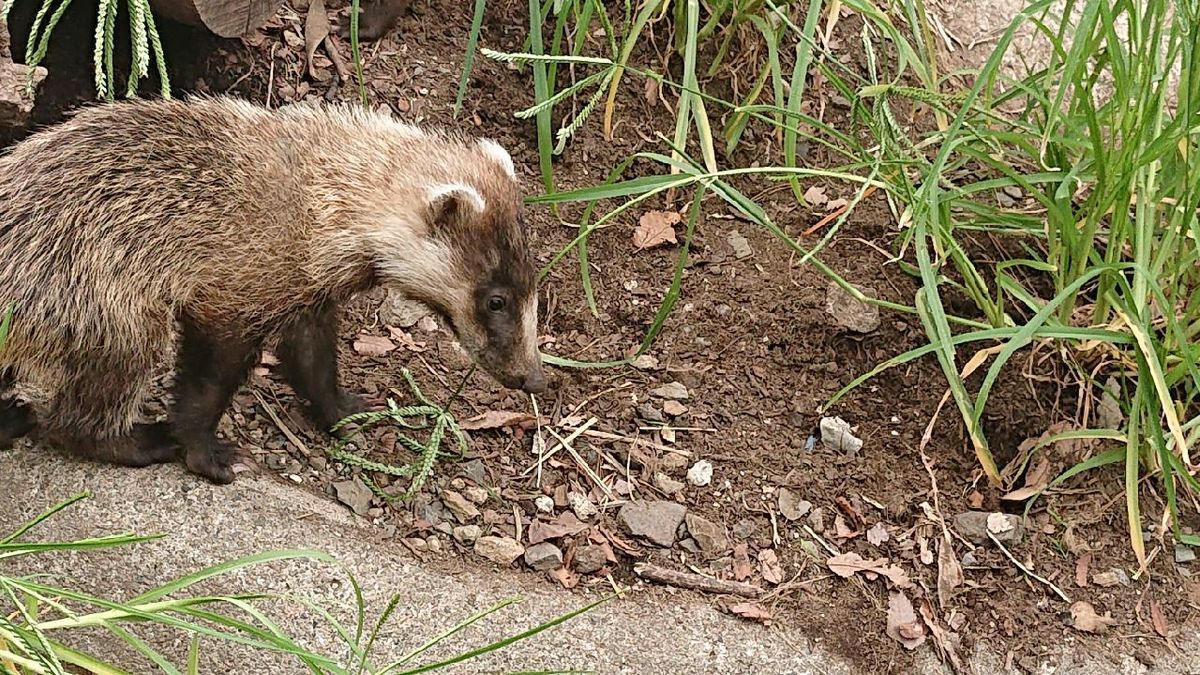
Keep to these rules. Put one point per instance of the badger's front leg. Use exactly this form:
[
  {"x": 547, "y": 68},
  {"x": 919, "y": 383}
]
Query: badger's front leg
[
  {"x": 208, "y": 373},
  {"x": 308, "y": 354}
]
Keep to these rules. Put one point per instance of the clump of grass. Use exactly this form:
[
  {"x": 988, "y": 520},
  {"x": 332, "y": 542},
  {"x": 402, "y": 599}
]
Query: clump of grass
[
  {"x": 412, "y": 418},
  {"x": 38, "y": 620},
  {"x": 143, "y": 34}
]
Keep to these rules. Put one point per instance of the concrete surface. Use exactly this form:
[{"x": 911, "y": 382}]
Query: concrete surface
[{"x": 208, "y": 524}]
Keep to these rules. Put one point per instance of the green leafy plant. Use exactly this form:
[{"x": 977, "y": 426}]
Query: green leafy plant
[
  {"x": 38, "y": 620},
  {"x": 413, "y": 418},
  {"x": 145, "y": 45}
]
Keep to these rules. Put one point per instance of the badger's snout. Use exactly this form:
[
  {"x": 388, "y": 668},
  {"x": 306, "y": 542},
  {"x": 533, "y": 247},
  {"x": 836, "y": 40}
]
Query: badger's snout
[{"x": 534, "y": 382}]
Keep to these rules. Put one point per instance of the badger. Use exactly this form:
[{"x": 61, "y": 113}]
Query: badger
[{"x": 212, "y": 227}]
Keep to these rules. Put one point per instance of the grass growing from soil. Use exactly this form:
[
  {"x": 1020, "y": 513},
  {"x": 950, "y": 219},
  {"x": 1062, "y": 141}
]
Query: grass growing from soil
[
  {"x": 1087, "y": 167},
  {"x": 39, "y": 620}
]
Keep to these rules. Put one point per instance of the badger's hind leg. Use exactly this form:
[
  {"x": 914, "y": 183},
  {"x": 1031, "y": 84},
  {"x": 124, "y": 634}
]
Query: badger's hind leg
[
  {"x": 91, "y": 414},
  {"x": 208, "y": 372},
  {"x": 308, "y": 354}
]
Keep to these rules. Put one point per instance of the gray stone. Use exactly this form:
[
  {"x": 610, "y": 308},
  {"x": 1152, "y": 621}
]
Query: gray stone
[
  {"x": 709, "y": 536},
  {"x": 1184, "y": 554},
  {"x": 475, "y": 494},
  {"x": 590, "y": 558},
  {"x": 656, "y": 521},
  {"x": 434, "y": 543},
  {"x": 816, "y": 520},
  {"x": 701, "y": 473},
  {"x": 500, "y": 550},
  {"x": 428, "y": 509},
  {"x": 791, "y": 506},
  {"x": 543, "y": 557},
  {"x": 674, "y": 391},
  {"x": 975, "y": 525},
  {"x": 460, "y": 506},
  {"x": 545, "y": 504},
  {"x": 739, "y": 244},
  {"x": 467, "y": 534},
  {"x": 648, "y": 412},
  {"x": 355, "y": 494}
]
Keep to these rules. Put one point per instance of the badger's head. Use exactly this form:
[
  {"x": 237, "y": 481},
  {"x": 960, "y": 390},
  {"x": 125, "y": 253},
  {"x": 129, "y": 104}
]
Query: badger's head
[{"x": 477, "y": 270}]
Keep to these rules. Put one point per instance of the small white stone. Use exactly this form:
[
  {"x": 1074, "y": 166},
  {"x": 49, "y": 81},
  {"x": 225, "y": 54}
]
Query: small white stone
[
  {"x": 544, "y": 504},
  {"x": 701, "y": 473}
]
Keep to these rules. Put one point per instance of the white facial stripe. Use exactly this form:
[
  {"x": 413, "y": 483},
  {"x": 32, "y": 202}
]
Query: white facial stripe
[
  {"x": 497, "y": 152},
  {"x": 438, "y": 193},
  {"x": 529, "y": 323}
]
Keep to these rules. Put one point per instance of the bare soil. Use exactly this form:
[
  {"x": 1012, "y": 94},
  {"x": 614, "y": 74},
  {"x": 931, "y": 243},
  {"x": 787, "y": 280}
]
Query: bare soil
[{"x": 756, "y": 350}]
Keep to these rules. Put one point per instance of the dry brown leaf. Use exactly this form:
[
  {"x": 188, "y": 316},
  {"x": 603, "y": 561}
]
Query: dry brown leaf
[
  {"x": 842, "y": 531},
  {"x": 742, "y": 569},
  {"x": 373, "y": 345},
  {"x": 945, "y": 640},
  {"x": 1085, "y": 618},
  {"x": 835, "y": 204},
  {"x": 950, "y": 574},
  {"x": 316, "y": 29},
  {"x": 564, "y": 525},
  {"x": 847, "y": 565},
  {"x": 1081, "y": 569},
  {"x": 751, "y": 610},
  {"x": 815, "y": 195},
  {"x": 903, "y": 624},
  {"x": 405, "y": 339},
  {"x": 566, "y": 577},
  {"x": 1036, "y": 480},
  {"x": 1158, "y": 619},
  {"x": 878, "y": 534},
  {"x": 655, "y": 228},
  {"x": 495, "y": 419},
  {"x": 768, "y": 565}
]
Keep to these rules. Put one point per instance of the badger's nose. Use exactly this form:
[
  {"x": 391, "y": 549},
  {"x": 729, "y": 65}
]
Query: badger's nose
[{"x": 535, "y": 382}]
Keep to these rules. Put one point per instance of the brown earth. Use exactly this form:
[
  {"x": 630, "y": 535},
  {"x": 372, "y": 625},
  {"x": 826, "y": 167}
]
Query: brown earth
[{"x": 758, "y": 354}]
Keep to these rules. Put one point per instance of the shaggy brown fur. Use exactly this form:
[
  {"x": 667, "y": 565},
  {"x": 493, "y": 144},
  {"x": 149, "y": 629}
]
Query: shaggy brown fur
[
  {"x": 240, "y": 224},
  {"x": 376, "y": 18}
]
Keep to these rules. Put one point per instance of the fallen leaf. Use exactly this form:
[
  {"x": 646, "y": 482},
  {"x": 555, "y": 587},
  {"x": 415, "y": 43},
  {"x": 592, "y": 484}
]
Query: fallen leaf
[
  {"x": 751, "y": 610},
  {"x": 946, "y": 641},
  {"x": 495, "y": 419},
  {"x": 742, "y": 569},
  {"x": 847, "y": 565},
  {"x": 903, "y": 625},
  {"x": 877, "y": 535},
  {"x": 950, "y": 574},
  {"x": 975, "y": 500},
  {"x": 373, "y": 345},
  {"x": 815, "y": 195},
  {"x": 768, "y": 565},
  {"x": 835, "y": 204},
  {"x": 842, "y": 530},
  {"x": 566, "y": 577},
  {"x": 1081, "y": 569},
  {"x": 564, "y": 525},
  {"x": 852, "y": 513},
  {"x": 1085, "y": 618},
  {"x": 1036, "y": 480},
  {"x": 655, "y": 228},
  {"x": 316, "y": 29},
  {"x": 926, "y": 555},
  {"x": 405, "y": 339},
  {"x": 1158, "y": 619}
]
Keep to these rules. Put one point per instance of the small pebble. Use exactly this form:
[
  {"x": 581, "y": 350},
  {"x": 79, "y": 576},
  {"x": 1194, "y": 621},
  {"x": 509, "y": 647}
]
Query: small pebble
[
  {"x": 701, "y": 473},
  {"x": 467, "y": 534},
  {"x": 545, "y": 504}
]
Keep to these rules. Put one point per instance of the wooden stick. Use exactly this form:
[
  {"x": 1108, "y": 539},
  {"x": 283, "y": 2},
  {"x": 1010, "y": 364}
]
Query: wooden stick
[{"x": 697, "y": 582}]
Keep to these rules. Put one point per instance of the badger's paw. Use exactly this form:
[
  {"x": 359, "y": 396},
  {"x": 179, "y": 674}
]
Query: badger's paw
[{"x": 219, "y": 462}]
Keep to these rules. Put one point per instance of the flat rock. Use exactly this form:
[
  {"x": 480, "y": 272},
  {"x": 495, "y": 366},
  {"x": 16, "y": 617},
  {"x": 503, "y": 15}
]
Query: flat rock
[
  {"x": 657, "y": 521},
  {"x": 581, "y": 505},
  {"x": 667, "y": 484},
  {"x": 674, "y": 391},
  {"x": 460, "y": 506},
  {"x": 975, "y": 525},
  {"x": 739, "y": 244},
  {"x": 500, "y": 550},
  {"x": 1184, "y": 554},
  {"x": 475, "y": 494},
  {"x": 543, "y": 557},
  {"x": 467, "y": 534},
  {"x": 709, "y": 536},
  {"x": 791, "y": 506},
  {"x": 835, "y": 434},
  {"x": 590, "y": 558},
  {"x": 355, "y": 494},
  {"x": 850, "y": 312}
]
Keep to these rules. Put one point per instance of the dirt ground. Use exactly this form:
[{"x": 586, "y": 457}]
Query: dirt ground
[{"x": 756, "y": 354}]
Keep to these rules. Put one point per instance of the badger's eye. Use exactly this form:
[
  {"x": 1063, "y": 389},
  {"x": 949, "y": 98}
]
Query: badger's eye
[{"x": 496, "y": 303}]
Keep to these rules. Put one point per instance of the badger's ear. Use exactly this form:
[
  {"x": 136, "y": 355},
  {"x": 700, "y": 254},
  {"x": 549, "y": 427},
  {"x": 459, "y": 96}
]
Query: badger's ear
[
  {"x": 498, "y": 154},
  {"x": 449, "y": 203}
]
